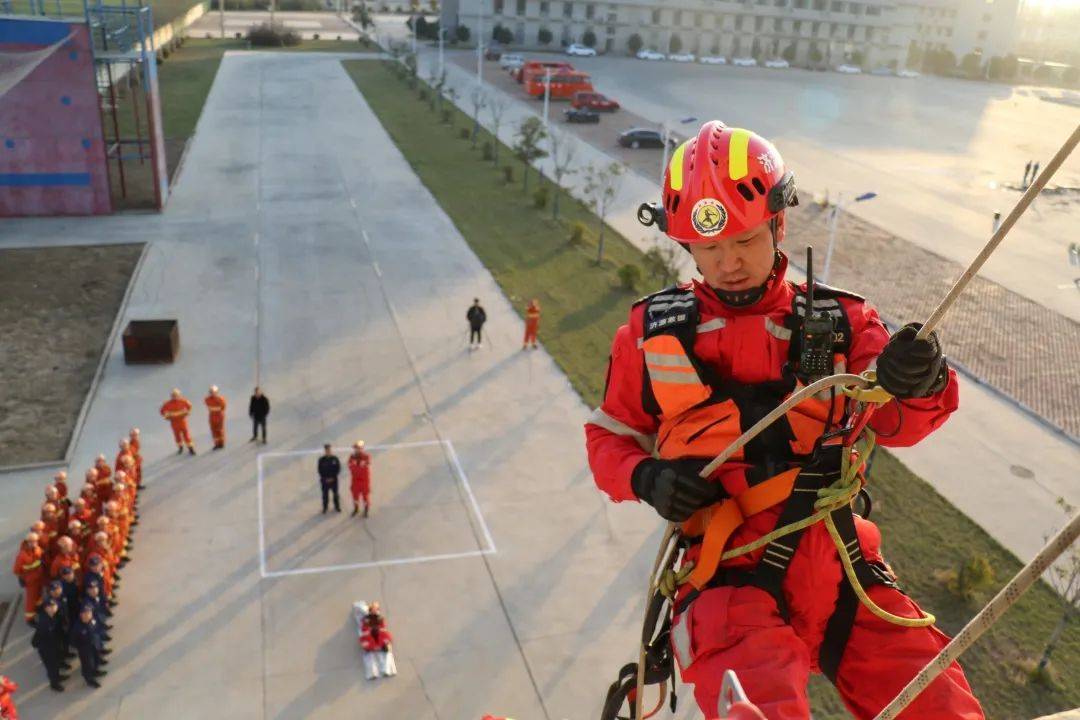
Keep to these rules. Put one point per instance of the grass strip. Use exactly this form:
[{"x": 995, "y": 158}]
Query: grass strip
[{"x": 527, "y": 252}]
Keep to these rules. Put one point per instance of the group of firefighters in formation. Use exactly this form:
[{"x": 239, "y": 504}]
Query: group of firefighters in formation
[{"x": 68, "y": 563}]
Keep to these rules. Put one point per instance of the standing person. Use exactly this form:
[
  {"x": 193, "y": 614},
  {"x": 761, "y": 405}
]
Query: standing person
[
  {"x": 360, "y": 469},
  {"x": 698, "y": 363},
  {"x": 176, "y": 410},
  {"x": 1034, "y": 172},
  {"x": 67, "y": 556},
  {"x": 1027, "y": 171},
  {"x": 134, "y": 444},
  {"x": 532, "y": 324},
  {"x": 84, "y": 639},
  {"x": 476, "y": 317},
  {"x": 258, "y": 409},
  {"x": 49, "y": 642},
  {"x": 329, "y": 468},
  {"x": 215, "y": 404},
  {"x": 30, "y": 570}
]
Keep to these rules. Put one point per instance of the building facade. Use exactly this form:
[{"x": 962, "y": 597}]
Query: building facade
[{"x": 806, "y": 32}]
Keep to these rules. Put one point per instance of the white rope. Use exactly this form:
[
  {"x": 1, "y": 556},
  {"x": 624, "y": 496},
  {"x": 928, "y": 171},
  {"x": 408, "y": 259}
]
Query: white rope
[{"x": 986, "y": 618}]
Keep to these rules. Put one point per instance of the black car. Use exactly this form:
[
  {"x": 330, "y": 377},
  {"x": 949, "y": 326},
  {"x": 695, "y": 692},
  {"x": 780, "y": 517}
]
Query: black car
[
  {"x": 581, "y": 115},
  {"x": 642, "y": 137}
]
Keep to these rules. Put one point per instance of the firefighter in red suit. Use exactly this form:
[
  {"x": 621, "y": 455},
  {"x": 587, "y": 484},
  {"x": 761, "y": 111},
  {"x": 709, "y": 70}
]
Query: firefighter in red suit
[
  {"x": 360, "y": 470},
  {"x": 694, "y": 367}
]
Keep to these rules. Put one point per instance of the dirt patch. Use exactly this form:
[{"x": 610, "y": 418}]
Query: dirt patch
[{"x": 56, "y": 311}]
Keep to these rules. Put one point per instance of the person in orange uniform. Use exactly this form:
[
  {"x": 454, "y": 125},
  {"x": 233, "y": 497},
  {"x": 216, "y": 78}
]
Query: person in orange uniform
[
  {"x": 8, "y": 688},
  {"x": 60, "y": 483},
  {"x": 51, "y": 531},
  {"x": 102, "y": 480},
  {"x": 215, "y": 403},
  {"x": 67, "y": 556},
  {"x": 360, "y": 469},
  {"x": 99, "y": 547},
  {"x": 52, "y": 497},
  {"x": 175, "y": 410},
  {"x": 123, "y": 449},
  {"x": 83, "y": 512},
  {"x": 88, "y": 493},
  {"x": 31, "y": 573},
  {"x": 532, "y": 324},
  {"x": 134, "y": 446},
  {"x": 78, "y": 533}
]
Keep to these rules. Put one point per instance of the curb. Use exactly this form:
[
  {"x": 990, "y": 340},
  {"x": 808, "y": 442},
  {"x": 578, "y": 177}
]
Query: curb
[{"x": 80, "y": 420}]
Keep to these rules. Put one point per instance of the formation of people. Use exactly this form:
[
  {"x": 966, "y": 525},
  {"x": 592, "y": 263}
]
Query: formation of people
[
  {"x": 328, "y": 468},
  {"x": 68, "y": 564},
  {"x": 177, "y": 409},
  {"x": 698, "y": 363}
]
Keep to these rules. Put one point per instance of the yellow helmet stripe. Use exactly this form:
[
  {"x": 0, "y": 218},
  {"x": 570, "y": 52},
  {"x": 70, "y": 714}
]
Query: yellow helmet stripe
[
  {"x": 675, "y": 170},
  {"x": 737, "y": 153}
]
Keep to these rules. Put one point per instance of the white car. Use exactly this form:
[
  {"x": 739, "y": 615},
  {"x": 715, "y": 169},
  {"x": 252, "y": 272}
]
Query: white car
[
  {"x": 650, "y": 55},
  {"x": 712, "y": 60},
  {"x": 848, "y": 69},
  {"x": 777, "y": 64},
  {"x": 744, "y": 62},
  {"x": 681, "y": 57},
  {"x": 509, "y": 62},
  {"x": 907, "y": 74},
  {"x": 580, "y": 50}
]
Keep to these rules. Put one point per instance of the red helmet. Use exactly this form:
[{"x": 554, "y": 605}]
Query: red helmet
[{"x": 720, "y": 183}]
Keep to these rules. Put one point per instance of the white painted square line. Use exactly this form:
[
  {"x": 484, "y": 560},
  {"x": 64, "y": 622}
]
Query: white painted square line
[{"x": 447, "y": 446}]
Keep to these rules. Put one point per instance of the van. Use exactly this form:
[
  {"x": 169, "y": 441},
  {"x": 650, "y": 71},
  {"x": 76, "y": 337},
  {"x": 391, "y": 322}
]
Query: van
[{"x": 509, "y": 62}]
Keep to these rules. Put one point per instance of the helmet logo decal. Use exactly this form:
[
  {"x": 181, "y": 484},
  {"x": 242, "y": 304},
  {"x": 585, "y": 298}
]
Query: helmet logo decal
[
  {"x": 766, "y": 162},
  {"x": 709, "y": 217}
]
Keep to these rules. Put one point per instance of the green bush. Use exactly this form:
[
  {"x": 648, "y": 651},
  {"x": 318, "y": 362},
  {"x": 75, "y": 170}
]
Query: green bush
[
  {"x": 423, "y": 94},
  {"x": 629, "y": 277},
  {"x": 488, "y": 151},
  {"x": 974, "y": 576},
  {"x": 446, "y": 116},
  {"x": 577, "y": 233},
  {"x": 540, "y": 198},
  {"x": 267, "y": 35},
  {"x": 464, "y": 134},
  {"x": 508, "y": 173}
]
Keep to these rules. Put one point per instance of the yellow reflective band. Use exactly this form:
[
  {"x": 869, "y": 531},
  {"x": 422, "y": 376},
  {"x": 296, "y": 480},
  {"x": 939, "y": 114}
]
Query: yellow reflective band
[
  {"x": 675, "y": 167},
  {"x": 674, "y": 377},
  {"x": 737, "y": 153},
  {"x": 663, "y": 359}
]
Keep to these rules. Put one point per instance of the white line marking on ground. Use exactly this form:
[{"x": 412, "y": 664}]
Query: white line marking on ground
[{"x": 459, "y": 471}]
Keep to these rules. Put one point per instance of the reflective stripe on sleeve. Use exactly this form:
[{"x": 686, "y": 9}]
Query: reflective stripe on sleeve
[{"x": 602, "y": 419}]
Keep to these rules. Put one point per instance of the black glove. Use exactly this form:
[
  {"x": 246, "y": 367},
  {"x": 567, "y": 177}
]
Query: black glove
[
  {"x": 910, "y": 368},
  {"x": 674, "y": 488}
]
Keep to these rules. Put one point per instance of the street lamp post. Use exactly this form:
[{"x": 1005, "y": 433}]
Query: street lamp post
[
  {"x": 547, "y": 94},
  {"x": 221, "y": 16},
  {"x": 442, "y": 37},
  {"x": 834, "y": 220},
  {"x": 667, "y": 139},
  {"x": 479, "y": 42}
]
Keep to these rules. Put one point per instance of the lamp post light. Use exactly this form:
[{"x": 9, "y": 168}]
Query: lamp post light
[
  {"x": 667, "y": 140},
  {"x": 834, "y": 220}
]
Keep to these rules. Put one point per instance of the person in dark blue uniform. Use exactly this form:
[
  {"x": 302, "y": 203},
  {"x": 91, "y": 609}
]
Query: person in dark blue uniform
[
  {"x": 329, "y": 468},
  {"x": 49, "y": 642},
  {"x": 55, "y": 590},
  {"x": 84, "y": 638},
  {"x": 70, "y": 587},
  {"x": 93, "y": 596}
]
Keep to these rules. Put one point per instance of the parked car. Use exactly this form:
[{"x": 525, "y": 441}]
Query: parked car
[
  {"x": 712, "y": 60},
  {"x": 777, "y": 63},
  {"x": 509, "y": 62},
  {"x": 882, "y": 70},
  {"x": 581, "y": 115},
  {"x": 645, "y": 54},
  {"x": 643, "y": 137},
  {"x": 493, "y": 52},
  {"x": 744, "y": 62},
  {"x": 907, "y": 74},
  {"x": 848, "y": 69},
  {"x": 594, "y": 101},
  {"x": 580, "y": 50},
  {"x": 681, "y": 57}
]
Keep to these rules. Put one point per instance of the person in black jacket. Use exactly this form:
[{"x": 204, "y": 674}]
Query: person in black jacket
[
  {"x": 84, "y": 638},
  {"x": 49, "y": 641},
  {"x": 258, "y": 409},
  {"x": 329, "y": 469},
  {"x": 476, "y": 317}
]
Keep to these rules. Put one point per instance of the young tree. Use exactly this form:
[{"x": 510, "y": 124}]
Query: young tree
[
  {"x": 789, "y": 53},
  {"x": 478, "y": 98},
  {"x": 661, "y": 264},
  {"x": 589, "y": 38},
  {"x": 462, "y": 33},
  {"x": 675, "y": 44},
  {"x": 1065, "y": 578},
  {"x": 563, "y": 150},
  {"x": 972, "y": 65},
  {"x": 815, "y": 54},
  {"x": 544, "y": 36},
  {"x": 497, "y": 109},
  {"x": 602, "y": 184},
  {"x": 857, "y": 58},
  {"x": 527, "y": 148},
  {"x": 634, "y": 43}
]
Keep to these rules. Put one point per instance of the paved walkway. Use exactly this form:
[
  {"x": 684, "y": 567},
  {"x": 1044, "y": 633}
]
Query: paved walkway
[{"x": 285, "y": 252}]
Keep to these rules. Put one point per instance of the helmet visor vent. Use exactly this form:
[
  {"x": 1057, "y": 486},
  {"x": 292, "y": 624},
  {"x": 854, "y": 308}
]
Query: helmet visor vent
[
  {"x": 745, "y": 192},
  {"x": 759, "y": 186}
]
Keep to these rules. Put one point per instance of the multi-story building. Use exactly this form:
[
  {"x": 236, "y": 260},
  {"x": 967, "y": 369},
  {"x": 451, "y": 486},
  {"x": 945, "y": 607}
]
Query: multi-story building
[
  {"x": 807, "y": 32},
  {"x": 1049, "y": 33}
]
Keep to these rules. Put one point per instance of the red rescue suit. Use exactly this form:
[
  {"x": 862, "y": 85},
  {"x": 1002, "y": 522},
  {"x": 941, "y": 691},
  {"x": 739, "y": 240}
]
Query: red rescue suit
[
  {"x": 30, "y": 570},
  {"x": 741, "y": 628},
  {"x": 176, "y": 410},
  {"x": 216, "y": 405},
  {"x": 532, "y": 324},
  {"x": 8, "y": 688},
  {"x": 360, "y": 469}
]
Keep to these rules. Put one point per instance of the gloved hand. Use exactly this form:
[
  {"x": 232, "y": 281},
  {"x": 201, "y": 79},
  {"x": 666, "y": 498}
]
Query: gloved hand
[
  {"x": 910, "y": 368},
  {"x": 674, "y": 488}
]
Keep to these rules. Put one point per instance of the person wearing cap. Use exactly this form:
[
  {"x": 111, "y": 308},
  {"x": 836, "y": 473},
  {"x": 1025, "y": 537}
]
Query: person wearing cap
[
  {"x": 69, "y": 581},
  {"x": 48, "y": 640},
  {"x": 94, "y": 594},
  {"x": 360, "y": 470},
  {"x": 55, "y": 591},
  {"x": 84, "y": 638},
  {"x": 8, "y": 688},
  {"x": 31, "y": 574},
  {"x": 329, "y": 468},
  {"x": 176, "y": 410},
  {"x": 215, "y": 404}
]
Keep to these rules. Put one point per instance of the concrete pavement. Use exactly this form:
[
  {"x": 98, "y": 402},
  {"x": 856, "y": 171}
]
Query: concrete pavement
[{"x": 284, "y": 253}]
